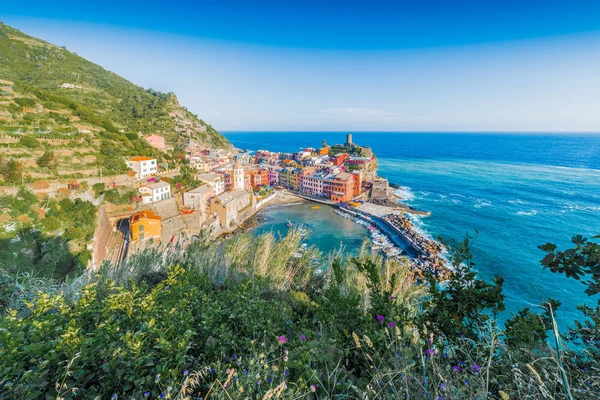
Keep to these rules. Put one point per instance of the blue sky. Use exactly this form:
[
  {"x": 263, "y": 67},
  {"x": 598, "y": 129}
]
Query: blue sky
[{"x": 346, "y": 65}]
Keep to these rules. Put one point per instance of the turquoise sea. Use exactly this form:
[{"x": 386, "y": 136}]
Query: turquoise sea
[{"x": 517, "y": 190}]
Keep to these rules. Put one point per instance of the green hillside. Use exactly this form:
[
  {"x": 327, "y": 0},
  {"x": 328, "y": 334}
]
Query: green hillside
[{"x": 51, "y": 100}]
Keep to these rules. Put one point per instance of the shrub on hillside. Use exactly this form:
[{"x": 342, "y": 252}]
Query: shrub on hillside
[
  {"x": 25, "y": 102},
  {"x": 29, "y": 141}
]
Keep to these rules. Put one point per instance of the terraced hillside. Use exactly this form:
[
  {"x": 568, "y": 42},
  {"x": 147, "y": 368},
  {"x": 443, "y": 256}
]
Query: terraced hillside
[{"x": 64, "y": 116}]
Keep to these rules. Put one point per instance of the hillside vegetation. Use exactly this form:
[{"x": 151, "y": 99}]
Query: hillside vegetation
[
  {"x": 53, "y": 102},
  {"x": 262, "y": 319}
]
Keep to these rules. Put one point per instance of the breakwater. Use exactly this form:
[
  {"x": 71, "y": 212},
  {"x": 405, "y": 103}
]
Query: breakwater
[{"x": 425, "y": 254}]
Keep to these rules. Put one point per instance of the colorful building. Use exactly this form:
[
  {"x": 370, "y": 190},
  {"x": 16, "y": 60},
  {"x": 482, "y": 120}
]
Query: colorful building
[
  {"x": 145, "y": 225},
  {"x": 312, "y": 184},
  {"x": 274, "y": 174},
  {"x": 258, "y": 177},
  {"x": 216, "y": 181},
  {"x": 323, "y": 151},
  {"x": 339, "y": 159},
  {"x": 358, "y": 179},
  {"x": 290, "y": 178},
  {"x": 339, "y": 188},
  {"x": 156, "y": 141}
]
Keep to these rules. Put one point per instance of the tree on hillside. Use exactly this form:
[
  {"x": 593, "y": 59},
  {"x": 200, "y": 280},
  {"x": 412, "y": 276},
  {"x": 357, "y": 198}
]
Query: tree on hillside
[
  {"x": 46, "y": 160},
  {"x": 464, "y": 304},
  {"x": 12, "y": 170}
]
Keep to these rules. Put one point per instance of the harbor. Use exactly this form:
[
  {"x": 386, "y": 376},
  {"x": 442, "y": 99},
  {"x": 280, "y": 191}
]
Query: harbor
[{"x": 345, "y": 226}]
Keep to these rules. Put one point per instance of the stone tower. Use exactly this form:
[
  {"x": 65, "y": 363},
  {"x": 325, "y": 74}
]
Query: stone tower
[{"x": 349, "y": 139}]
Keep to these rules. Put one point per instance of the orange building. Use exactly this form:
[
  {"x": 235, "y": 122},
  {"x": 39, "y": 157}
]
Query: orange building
[
  {"x": 258, "y": 177},
  {"x": 339, "y": 159},
  {"x": 323, "y": 151},
  {"x": 357, "y": 182},
  {"x": 339, "y": 188},
  {"x": 144, "y": 225}
]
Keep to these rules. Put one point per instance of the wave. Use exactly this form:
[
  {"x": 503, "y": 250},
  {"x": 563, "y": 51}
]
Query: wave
[
  {"x": 482, "y": 203},
  {"x": 579, "y": 207},
  {"x": 419, "y": 226},
  {"x": 530, "y": 212},
  {"x": 405, "y": 193},
  {"x": 517, "y": 202}
]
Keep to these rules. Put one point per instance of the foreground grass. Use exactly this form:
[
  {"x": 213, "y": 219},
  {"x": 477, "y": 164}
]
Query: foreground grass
[{"x": 257, "y": 319}]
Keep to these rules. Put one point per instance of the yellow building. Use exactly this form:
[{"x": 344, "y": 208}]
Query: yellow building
[
  {"x": 144, "y": 225},
  {"x": 229, "y": 205}
]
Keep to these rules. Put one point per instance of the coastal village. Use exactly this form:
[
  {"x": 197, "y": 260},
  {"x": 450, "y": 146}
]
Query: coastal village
[{"x": 234, "y": 185}]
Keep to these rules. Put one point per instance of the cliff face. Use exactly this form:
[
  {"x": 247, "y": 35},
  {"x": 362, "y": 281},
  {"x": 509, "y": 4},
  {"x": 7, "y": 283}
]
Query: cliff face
[{"x": 49, "y": 93}]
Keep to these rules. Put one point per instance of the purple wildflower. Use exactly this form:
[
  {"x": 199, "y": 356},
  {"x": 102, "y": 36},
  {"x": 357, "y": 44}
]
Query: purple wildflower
[
  {"x": 281, "y": 340},
  {"x": 269, "y": 380},
  {"x": 303, "y": 338},
  {"x": 287, "y": 372},
  {"x": 391, "y": 325},
  {"x": 146, "y": 394},
  {"x": 475, "y": 368},
  {"x": 380, "y": 319},
  {"x": 234, "y": 357},
  {"x": 313, "y": 388},
  {"x": 456, "y": 368},
  {"x": 258, "y": 382},
  {"x": 392, "y": 297},
  {"x": 186, "y": 372}
]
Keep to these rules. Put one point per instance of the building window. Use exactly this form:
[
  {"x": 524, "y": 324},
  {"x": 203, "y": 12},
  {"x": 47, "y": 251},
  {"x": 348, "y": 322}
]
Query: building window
[{"x": 141, "y": 228}]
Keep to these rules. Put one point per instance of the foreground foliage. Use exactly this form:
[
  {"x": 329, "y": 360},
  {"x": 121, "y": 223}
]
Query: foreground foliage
[{"x": 261, "y": 319}]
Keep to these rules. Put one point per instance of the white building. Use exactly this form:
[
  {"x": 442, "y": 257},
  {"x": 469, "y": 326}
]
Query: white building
[
  {"x": 155, "y": 192},
  {"x": 238, "y": 176},
  {"x": 197, "y": 199},
  {"x": 142, "y": 166},
  {"x": 216, "y": 181}
]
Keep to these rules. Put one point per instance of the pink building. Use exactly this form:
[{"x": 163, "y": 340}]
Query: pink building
[{"x": 156, "y": 141}]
